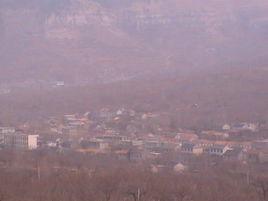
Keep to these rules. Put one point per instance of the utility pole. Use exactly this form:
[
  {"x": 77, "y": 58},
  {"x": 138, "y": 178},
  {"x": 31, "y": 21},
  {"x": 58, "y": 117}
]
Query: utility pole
[
  {"x": 248, "y": 177},
  {"x": 139, "y": 194}
]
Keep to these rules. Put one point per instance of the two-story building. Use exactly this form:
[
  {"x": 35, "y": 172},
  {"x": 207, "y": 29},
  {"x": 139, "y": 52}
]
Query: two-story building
[
  {"x": 189, "y": 147},
  {"x": 216, "y": 149},
  {"x": 20, "y": 140}
]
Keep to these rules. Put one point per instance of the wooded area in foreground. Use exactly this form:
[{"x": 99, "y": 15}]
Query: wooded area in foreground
[{"x": 68, "y": 177}]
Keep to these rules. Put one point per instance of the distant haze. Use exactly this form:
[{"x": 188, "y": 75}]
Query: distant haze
[
  {"x": 101, "y": 40},
  {"x": 161, "y": 55}
]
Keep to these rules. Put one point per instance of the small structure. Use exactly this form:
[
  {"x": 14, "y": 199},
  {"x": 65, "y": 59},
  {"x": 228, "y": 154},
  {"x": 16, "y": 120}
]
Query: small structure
[
  {"x": 33, "y": 141},
  {"x": 137, "y": 143},
  {"x": 132, "y": 154},
  {"x": 234, "y": 154},
  {"x": 60, "y": 84},
  {"x": 226, "y": 127},
  {"x": 216, "y": 149},
  {"x": 179, "y": 168},
  {"x": 6, "y": 130},
  {"x": 20, "y": 140},
  {"x": 263, "y": 156},
  {"x": 186, "y": 137},
  {"x": 135, "y": 155},
  {"x": 215, "y": 134},
  {"x": 245, "y": 127},
  {"x": 188, "y": 147},
  {"x": 154, "y": 169},
  {"x": 261, "y": 144},
  {"x": 94, "y": 144},
  {"x": 113, "y": 139},
  {"x": 252, "y": 156}
]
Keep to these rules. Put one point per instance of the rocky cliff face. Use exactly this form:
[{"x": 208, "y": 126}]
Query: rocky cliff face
[{"x": 101, "y": 40}]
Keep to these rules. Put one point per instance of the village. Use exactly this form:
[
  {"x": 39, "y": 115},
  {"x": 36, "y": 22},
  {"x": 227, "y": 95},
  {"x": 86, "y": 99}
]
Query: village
[{"x": 133, "y": 136}]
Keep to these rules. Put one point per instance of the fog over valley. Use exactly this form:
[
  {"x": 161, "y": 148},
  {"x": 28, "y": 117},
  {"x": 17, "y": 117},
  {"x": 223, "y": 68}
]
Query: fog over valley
[
  {"x": 103, "y": 41},
  {"x": 183, "y": 46},
  {"x": 133, "y": 100}
]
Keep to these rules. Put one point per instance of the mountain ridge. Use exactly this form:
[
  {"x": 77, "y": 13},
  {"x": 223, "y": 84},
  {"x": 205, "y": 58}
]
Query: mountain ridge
[{"x": 102, "y": 41}]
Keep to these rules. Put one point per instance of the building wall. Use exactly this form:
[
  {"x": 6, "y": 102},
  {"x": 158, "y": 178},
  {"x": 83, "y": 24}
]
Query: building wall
[
  {"x": 20, "y": 141},
  {"x": 6, "y": 130},
  {"x": 263, "y": 157},
  {"x": 32, "y": 141},
  {"x": 197, "y": 150}
]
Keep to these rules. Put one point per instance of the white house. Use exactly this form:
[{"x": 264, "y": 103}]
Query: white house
[
  {"x": 226, "y": 127},
  {"x": 33, "y": 141}
]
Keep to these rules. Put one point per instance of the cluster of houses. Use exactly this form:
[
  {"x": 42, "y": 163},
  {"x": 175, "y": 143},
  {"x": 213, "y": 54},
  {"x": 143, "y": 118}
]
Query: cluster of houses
[
  {"x": 11, "y": 138},
  {"x": 4, "y": 91},
  {"x": 129, "y": 122},
  {"x": 135, "y": 136},
  {"x": 151, "y": 146},
  {"x": 253, "y": 151},
  {"x": 69, "y": 125},
  {"x": 105, "y": 121},
  {"x": 244, "y": 126},
  {"x": 126, "y": 148}
]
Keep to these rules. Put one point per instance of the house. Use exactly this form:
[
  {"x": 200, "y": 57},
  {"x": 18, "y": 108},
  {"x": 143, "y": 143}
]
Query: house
[
  {"x": 188, "y": 147},
  {"x": 33, "y": 141},
  {"x": 137, "y": 143},
  {"x": 186, "y": 137},
  {"x": 135, "y": 155},
  {"x": 20, "y": 140},
  {"x": 132, "y": 113},
  {"x": 4, "y": 91},
  {"x": 52, "y": 144},
  {"x": 132, "y": 154},
  {"x": 204, "y": 143},
  {"x": 106, "y": 114},
  {"x": 5, "y": 130},
  {"x": 157, "y": 145},
  {"x": 215, "y": 134},
  {"x": 132, "y": 129},
  {"x": 244, "y": 145},
  {"x": 261, "y": 144},
  {"x": 234, "y": 154},
  {"x": 60, "y": 84},
  {"x": 179, "y": 167},
  {"x": 245, "y": 127},
  {"x": 69, "y": 130},
  {"x": 252, "y": 156},
  {"x": 122, "y": 154},
  {"x": 65, "y": 144},
  {"x": 112, "y": 139},
  {"x": 151, "y": 144},
  {"x": 226, "y": 127},
  {"x": 73, "y": 121},
  {"x": 120, "y": 112},
  {"x": 146, "y": 116},
  {"x": 94, "y": 144},
  {"x": 263, "y": 156},
  {"x": 216, "y": 149}
]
